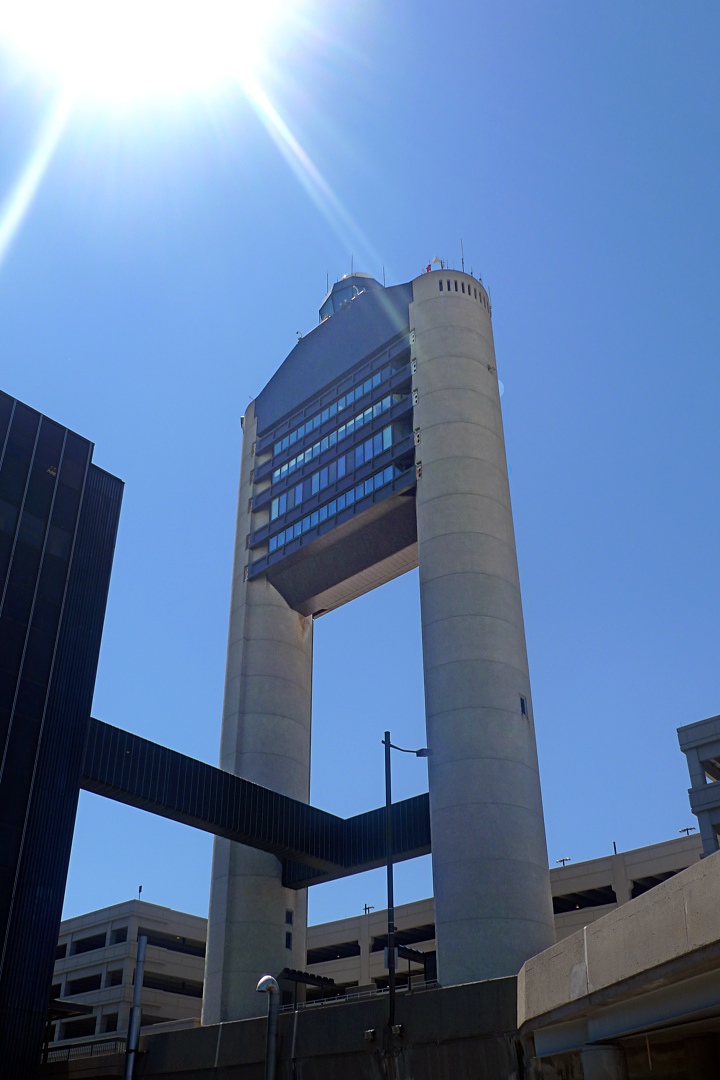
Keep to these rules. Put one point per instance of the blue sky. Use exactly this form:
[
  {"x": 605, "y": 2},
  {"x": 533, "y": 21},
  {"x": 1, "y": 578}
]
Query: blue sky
[{"x": 171, "y": 254}]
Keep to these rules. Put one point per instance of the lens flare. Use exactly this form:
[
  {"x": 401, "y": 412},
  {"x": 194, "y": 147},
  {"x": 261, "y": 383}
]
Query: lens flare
[
  {"x": 126, "y": 51},
  {"x": 129, "y": 49},
  {"x": 17, "y": 202},
  {"x": 307, "y": 173}
]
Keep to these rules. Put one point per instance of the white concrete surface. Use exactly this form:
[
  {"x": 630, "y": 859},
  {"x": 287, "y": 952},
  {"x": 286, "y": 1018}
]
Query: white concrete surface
[
  {"x": 266, "y": 739},
  {"x": 700, "y": 742},
  {"x": 114, "y": 999},
  {"x": 658, "y": 930},
  {"x": 490, "y": 870}
]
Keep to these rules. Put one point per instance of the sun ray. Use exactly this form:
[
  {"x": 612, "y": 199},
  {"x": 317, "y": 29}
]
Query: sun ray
[
  {"x": 307, "y": 173},
  {"x": 18, "y": 200}
]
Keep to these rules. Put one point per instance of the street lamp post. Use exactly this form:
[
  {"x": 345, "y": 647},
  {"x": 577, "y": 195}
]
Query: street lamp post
[
  {"x": 269, "y": 985},
  {"x": 422, "y": 752}
]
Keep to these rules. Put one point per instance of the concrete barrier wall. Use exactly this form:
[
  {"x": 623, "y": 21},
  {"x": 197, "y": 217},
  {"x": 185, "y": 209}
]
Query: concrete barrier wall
[
  {"x": 460, "y": 1032},
  {"x": 672, "y": 921}
]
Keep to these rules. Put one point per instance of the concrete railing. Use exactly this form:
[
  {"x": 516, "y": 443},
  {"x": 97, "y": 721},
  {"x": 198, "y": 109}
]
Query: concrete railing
[{"x": 664, "y": 926}]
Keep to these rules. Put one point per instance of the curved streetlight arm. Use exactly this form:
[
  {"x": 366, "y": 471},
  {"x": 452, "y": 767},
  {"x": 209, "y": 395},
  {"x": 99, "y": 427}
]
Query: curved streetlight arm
[{"x": 422, "y": 752}]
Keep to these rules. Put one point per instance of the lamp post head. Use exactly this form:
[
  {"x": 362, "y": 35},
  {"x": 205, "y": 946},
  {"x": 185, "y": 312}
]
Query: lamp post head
[
  {"x": 268, "y": 985},
  {"x": 424, "y": 751}
]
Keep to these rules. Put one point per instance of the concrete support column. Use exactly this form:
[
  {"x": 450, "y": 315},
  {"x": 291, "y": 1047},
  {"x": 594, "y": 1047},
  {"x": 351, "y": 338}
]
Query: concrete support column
[
  {"x": 621, "y": 884},
  {"x": 493, "y": 907},
  {"x": 708, "y": 833},
  {"x": 698, "y": 779},
  {"x": 364, "y": 950},
  {"x": 266, "y": 739}
]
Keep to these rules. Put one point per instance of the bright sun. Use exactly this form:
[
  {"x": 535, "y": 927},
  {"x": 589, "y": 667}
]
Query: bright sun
[{"x": 129, "y": 49}]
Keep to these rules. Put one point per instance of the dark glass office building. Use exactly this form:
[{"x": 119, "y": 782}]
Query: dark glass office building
[{"x": 58, "y": 523}]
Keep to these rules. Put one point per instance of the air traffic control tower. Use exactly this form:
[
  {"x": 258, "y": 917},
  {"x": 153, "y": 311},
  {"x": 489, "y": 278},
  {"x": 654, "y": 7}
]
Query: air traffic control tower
[{"x": 376, "y": 447}]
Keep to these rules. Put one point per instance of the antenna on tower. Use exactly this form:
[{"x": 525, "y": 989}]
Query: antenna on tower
[
  {"x": 383, "y": 277},
  {"x": 327, "y": 281},
  {"x": 352, "y": 264},
  {"x": 462, "y": 255}
]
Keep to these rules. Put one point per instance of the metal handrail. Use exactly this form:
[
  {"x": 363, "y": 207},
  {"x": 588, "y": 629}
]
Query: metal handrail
[
  {"x": 86, "y": 1049},
  {"x": 361, "y": 995}
]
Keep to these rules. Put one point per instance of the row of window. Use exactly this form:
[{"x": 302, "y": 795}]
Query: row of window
[
  {"x": 343, "y": 949},
  {"x": 335, "y": 436},
  {"x": 605, "y": 894},
  {"x": 94, "y": 941},
  {"x": 171, "y": 984},
  {"x": 334, "y": 506},
  {"x": 481, "y": 297},
  {"x": 332, "y": 410},
  {"x": 174, "y": 942},
  {"x": 382, "y": 440},
  {"x": 86, "y": 1027},
  {"x": 86, "y": 984}
]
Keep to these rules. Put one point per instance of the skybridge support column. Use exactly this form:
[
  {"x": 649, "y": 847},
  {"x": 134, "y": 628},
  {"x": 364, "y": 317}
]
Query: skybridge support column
[
  {"x": 492, "y": 894},
  {"x": 266, "y": 739}
]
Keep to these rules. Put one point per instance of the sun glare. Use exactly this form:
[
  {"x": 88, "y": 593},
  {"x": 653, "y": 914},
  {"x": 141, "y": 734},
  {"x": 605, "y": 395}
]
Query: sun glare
[
  {"x": 127, "y": 51},
  {"x": 130, "y": 49}
]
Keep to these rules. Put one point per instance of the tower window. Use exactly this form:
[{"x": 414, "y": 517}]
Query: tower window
[
  {"x": 289, "y": 918},
  {"x": 448, "y": 285},
  {"x": 462, "y": 286},
  {"x": 440, "y": 284},
  {"x": 456, "y": 288},
  {"x": 288, "y": 940},
  {"x": 523, "y": 705},
  {"x": 475, "y": 291}
]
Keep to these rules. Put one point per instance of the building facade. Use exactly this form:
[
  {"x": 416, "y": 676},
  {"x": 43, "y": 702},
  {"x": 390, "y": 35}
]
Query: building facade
[
  {"x": 376, "y": 447},
  {"x": 351, "y": 951},
  {"x": 700, "y": 743},
  {"x": 58, "y": 522},
  {"x": 96, "y": 952},
  {"x": 95, "y": 966}
]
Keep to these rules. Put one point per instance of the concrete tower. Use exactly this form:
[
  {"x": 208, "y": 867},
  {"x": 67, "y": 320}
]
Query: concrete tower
[
  {"x": 490, "y": 869},
  {"x": 266, "y": 739},
  {"x": 377, "y": 446}
]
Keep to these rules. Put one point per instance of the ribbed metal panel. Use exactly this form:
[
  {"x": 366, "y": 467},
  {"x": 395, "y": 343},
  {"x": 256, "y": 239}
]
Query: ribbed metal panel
[
  {"x": 140, "y": 773},
  {"x": 364, "y": 843},
  {"x": 314, "y": 845},
  {"x": 54, "y": 588}
]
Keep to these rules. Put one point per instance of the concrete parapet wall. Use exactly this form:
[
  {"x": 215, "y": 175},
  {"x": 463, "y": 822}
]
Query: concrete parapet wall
[{"x": 658, "y": 932}]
